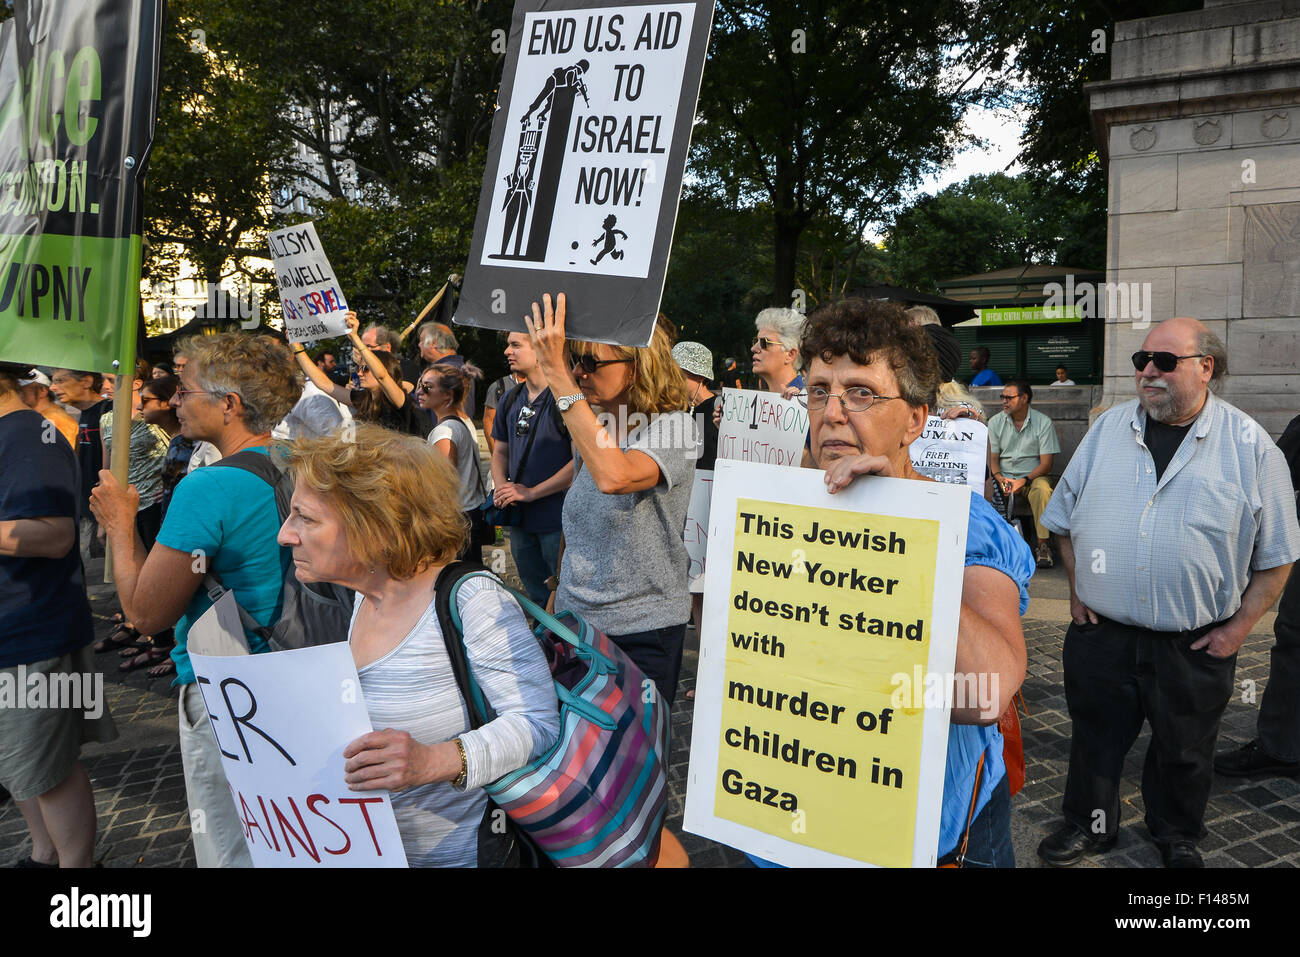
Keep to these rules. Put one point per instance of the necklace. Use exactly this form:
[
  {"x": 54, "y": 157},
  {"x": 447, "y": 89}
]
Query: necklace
[{"x": 693, "y": 395}]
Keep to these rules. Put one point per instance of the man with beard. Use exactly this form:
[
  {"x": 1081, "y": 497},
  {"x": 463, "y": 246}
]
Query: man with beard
[{"x": 1178, "y": 528}]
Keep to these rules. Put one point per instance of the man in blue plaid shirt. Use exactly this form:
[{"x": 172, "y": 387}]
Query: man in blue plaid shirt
[{"x": 1177, "y": 526}]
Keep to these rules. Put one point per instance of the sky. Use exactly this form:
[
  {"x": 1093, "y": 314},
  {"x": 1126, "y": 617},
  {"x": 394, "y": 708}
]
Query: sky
[{"x": 1000, "y": 129}]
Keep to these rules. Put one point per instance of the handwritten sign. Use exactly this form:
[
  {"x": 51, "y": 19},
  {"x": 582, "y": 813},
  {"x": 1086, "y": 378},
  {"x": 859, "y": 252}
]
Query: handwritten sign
[
  {"x": 282, "y": 721},
  {"x": 696, "y": 534},
  {"x": 585, "y": 164},
  {"x": 802, "y": 751},
  {"x": 314, "y": 306},
  {"x": 761, "y": 427},
  {"x": 954, "y": 451}
]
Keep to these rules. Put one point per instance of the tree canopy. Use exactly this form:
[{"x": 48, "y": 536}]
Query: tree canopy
[
  {"x": 992, "y": 222},
  {"x": 823, "y": 108}
]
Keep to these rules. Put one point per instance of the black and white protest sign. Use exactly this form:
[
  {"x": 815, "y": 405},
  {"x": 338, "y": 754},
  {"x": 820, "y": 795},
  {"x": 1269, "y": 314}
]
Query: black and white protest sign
[
  {"x": 585, "y": 168},
  {"x": 314, "y": 307},
  {"x": 953, "y": 451}
]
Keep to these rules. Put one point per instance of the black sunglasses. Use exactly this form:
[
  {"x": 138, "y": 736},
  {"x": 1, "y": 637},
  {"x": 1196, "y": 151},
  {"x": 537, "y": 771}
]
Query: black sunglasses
[
  {"x": 589, "y": 363},
  {"x": 764, "y": 343},
  {"x": 1165, "y": 361}
]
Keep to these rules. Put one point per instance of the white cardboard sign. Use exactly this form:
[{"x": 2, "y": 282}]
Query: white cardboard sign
[
  {"x": 827, "y": 599},
  {"x": 696, "y": 534},
  {"x": 762, "y": 427},
  {"x": 954, "y": 451},
  {"x": 313, "y": 301},
  {"x": 282, "y": 720}
]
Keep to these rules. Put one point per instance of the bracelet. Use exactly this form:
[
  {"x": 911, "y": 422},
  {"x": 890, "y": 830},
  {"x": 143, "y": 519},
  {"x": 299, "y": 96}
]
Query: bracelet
[
  {"x": 459, "y": 781},
  {"x": 299, "y": 352}
]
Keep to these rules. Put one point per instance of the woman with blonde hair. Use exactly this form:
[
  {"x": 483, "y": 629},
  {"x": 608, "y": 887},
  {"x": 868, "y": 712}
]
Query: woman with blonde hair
[
  {"x": 379, "y": 513},
  {"x": 624, "y": 564}
]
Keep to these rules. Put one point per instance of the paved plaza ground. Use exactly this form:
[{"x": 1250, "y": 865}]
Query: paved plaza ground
[{"x": 140, "y": 793}]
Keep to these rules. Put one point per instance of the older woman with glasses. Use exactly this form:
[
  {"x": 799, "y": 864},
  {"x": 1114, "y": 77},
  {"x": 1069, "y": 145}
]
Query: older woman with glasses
[
  {"x": 872, "y": 380},
  {"x": 775, "y": 353},
  {"x": 378, "y": 513},
  {"x": 776, "y": 350}
]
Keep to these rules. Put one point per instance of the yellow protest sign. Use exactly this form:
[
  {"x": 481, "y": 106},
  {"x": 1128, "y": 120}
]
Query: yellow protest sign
[{"x": 802, "y": 751}]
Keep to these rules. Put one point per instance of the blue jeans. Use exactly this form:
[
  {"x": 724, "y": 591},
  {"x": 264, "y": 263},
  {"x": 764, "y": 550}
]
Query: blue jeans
[
  {"x": 537, "y": 557},
  {"x": 990, "y": 832}
]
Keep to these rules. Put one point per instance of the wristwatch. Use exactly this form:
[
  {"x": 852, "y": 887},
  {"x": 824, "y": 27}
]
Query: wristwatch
[{"x": 566, "y": 402}]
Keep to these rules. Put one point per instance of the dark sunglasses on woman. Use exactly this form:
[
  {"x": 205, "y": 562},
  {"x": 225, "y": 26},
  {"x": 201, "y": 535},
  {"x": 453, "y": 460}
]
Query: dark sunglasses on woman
[{"x": 589, "y": 363}]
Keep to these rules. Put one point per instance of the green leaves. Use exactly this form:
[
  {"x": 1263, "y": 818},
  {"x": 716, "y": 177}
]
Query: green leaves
[{"x": 993, "y": 222}]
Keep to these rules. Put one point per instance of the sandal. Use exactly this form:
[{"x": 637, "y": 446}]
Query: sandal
[
  {"x": 166, "y": 669},
  {"x": 121, "y": 636},
  {"x": 143, "y": 643},
  {"x": 151, "y": 657}
]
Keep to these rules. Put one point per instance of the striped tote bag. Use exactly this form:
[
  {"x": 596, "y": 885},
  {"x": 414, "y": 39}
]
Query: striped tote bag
[{"x": 597, "y": 798}]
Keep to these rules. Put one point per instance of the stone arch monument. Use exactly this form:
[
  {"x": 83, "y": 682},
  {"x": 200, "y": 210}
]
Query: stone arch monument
[{"x": 1200, "y": 128}]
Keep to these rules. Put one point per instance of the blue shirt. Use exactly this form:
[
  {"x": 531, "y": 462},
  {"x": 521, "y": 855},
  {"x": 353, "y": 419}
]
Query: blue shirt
[
  {"x": 43, "y": 608},
  {"x": 550, "y": 452},
  {"x": 986, "y": 377},
  {"x": 229, "y": 516},
  {"x": 992, "y": 542},
  {"x": 1175, "y": 551}
]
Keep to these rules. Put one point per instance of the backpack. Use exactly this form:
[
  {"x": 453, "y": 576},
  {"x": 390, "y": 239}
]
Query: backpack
[
  {"x": 316, "y": 613},
  {"x": 598, "y": 796}
]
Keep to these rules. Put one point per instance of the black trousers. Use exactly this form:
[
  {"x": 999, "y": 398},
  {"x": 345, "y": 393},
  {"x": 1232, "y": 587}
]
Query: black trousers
[
  {"x": 1115, "y": 677},
  {"x": 1279, "y": 711}
]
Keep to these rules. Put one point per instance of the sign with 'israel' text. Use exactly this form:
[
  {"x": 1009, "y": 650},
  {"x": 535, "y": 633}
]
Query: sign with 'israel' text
[
  {"x": 585, "y": 164},
  {"x": 311, "y": 296}
]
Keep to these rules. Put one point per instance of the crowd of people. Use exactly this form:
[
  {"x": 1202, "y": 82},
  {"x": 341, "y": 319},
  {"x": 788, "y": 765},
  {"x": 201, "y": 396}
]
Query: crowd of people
[{"x": 1175, "y": 521}]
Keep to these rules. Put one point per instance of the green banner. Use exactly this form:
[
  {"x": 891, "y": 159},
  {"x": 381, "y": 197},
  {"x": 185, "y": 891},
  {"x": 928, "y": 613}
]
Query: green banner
[
  {"x": 1029, "y": 315},
  {"x": 54, "y": 293},
  {"x": 78, "y": 85}
]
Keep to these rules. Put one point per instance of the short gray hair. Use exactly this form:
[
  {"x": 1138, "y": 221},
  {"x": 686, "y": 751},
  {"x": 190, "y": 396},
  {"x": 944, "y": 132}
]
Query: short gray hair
[
  {"x": 383, "y": 336},
  {"x": 787, "y": 322},
  {"x": 255, "y": 368},
  {"x": 439, "y": 336},
  {"x": 1207, "y": 343},
  {"x": 923, "y": 316}
]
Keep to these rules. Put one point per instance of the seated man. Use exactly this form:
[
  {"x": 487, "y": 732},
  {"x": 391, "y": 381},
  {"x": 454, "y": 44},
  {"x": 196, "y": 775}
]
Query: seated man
[{"x": 1022, "y": 448}]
